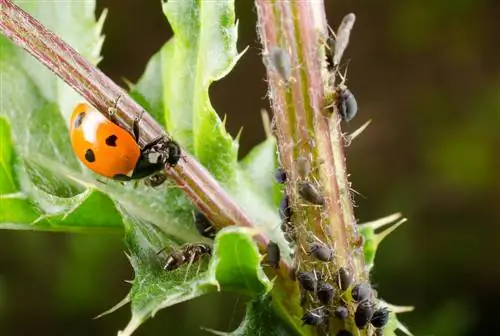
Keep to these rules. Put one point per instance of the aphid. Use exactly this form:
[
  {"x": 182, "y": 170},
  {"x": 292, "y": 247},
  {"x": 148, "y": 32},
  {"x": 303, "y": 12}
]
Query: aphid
[
  {"x": 303, "y": 167},
  {"x": 156, "y": 179},
  {"x": 280, "y": 175},
  {"x": 341, "y": 312},
  {"x": 342, "y": 37},
  {"x": 346, "y": 104},
  {"x": 361, "y": 292},
  {"x": 281, "y": 63},
  {"x": 111, "y": 151},
  {"x": 203, "y": 225},
  {"x": 285, "y": 209},
  {"x": 273, "y": 255},
  {"x": 343, "y": 333},
  {"x": 310, "y": 193},
  {"x": 344, "y": 279},
  {"x": 380, "y": 318},
  {"x": 313, "y": 317},
  {"x": 363, "y": 314},
  {"x": 321, "y": 252},
  {"x": 325, "y": 293},
  {"x": 188, "y": 253},
  {"x": 307, "y": 280}
]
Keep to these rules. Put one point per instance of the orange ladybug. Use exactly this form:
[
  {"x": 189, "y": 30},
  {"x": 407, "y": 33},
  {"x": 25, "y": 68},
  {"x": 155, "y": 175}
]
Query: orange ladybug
[{"x": 111, "y": 151}]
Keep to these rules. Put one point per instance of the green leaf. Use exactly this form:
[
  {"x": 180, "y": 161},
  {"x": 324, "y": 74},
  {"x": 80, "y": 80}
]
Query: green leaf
[
  {"x": 260, "y": 319},
  {"x": 234, "y": 265},
  {"x": 204, "y": 50}
]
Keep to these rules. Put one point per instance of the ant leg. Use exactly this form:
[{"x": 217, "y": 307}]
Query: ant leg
[
  {"x": 191, "y": 260},
  {"x": 135, "y": 126}
]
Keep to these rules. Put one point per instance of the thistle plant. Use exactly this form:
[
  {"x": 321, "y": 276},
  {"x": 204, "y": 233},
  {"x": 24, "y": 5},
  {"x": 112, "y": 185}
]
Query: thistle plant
[{"x": 295, "y": 247}]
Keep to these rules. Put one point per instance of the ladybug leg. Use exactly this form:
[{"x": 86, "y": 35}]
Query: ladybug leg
[
  {"x": 112, "y": 110},
  {"x": 135, "y": 126}
]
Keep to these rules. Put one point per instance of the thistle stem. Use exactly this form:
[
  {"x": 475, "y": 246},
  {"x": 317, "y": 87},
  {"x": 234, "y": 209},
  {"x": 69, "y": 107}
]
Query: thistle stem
[
  {"x": 305, "y": 131},
  {"x": 100, "y": 91}
]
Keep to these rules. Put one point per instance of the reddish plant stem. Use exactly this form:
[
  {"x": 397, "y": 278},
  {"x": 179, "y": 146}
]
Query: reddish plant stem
[
  {"x": 100, "y": 91},
  {"x": 304, "y": 130}
]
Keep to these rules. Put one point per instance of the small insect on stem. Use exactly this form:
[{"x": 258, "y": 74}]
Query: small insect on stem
[
  {"x": 344, "y": 279},
  {"x": 314, "y": 317},
  {"x": 363, "y": 314},
  {"x": 325, "y": 293},
  {"x": 361, "y": 292},
  {"x": 310, "y": 193},
  {"x": 341, "y": 312},
  {"x": 281, "y": 63},
  {"x": 320, "y": 252},
  {"x": 347, "y": 105},
  {"x": 203, "y": 225},
  {"x": 307, "y": 280},
  {"x": 272, "y": 255},
  {"x": 380, "y": 318},
  {"x": 342, "y": 37},
  {"x": 280, "y": 175}
]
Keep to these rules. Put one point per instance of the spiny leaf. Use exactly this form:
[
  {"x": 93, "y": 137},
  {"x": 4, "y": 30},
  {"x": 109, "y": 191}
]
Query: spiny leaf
[
  {"x": 260, "y": 319},
  {"x": 204, "y": 50},
  {"x": 373, "y": 238},
  {"x": 234, "y": 265}
]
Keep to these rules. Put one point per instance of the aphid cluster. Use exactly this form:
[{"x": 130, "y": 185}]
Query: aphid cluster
[{"x": 333, "y": 302}]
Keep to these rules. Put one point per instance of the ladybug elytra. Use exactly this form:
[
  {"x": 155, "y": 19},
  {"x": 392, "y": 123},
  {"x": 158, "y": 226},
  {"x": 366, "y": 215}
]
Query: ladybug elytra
[{"x": 111, "y": 151}]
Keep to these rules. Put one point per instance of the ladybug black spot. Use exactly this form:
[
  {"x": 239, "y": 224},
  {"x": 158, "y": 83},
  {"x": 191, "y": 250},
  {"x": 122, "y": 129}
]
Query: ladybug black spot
[
  {"x": 111, "y": 140},
  {"x": 89, "y": 155},
  {"x": 79, "y": 119}
]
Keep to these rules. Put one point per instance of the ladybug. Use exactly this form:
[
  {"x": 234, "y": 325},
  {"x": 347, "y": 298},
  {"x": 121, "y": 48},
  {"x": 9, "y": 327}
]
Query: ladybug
[{"x": 111, "y": 151}]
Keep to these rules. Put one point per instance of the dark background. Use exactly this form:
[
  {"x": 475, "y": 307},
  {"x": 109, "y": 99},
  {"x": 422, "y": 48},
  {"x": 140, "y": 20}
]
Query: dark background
[{"x": 426, "y": 72}]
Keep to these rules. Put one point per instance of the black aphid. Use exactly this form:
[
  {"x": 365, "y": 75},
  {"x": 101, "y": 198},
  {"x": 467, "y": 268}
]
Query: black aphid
[
  {"x": 285, "y": 210},
  {"x": 346, "y": 104},
  {"x": 321, "y": 252},
  {"x": 341, "y": 312},
  {"x": 363, "y": 314},
  {"x": 325, "y": 293},
  {"x": 361, "y": 292},
  {"x": 380, "y": 318},
  {"x": 273, "y": 255},
  {"x": 280, "y": 175},
  {"x": 203, "y": 225},
  {"x": 313, "y": 317},
  {"x": 310, "y": 193},
  {"x": 307, "y": 280},
  {"x": 344, "y": 279},
  {"x": 343, "y": 333}
]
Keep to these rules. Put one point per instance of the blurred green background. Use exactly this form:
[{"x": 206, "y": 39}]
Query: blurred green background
[{"x": 426, "y": 72}]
